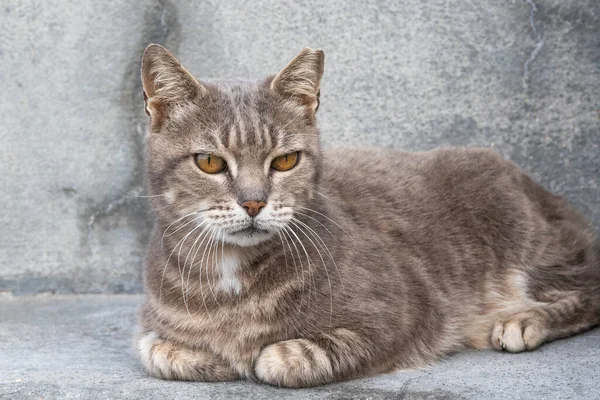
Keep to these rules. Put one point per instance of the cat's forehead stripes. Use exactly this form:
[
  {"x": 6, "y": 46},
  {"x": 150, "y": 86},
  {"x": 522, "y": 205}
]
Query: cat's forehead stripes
[
  {"x": 239, "y": 118},
  {"x": 244, "y": 117}
]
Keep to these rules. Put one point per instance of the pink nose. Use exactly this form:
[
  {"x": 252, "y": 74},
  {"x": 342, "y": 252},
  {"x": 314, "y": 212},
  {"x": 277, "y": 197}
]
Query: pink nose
[{"x": 253, "y": 207}]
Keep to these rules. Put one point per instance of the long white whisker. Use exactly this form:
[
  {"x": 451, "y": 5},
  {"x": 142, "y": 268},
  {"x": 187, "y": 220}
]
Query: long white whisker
[
  {"x": 209, "y": 230},
  {"x": 182, "y": 271},
  {"x": 142, "y": 196},
  {"x": 209, "y": 249},
  {"x": 187, "y": 285},
  {"x": 302, "y": 272},
  {"x": 204, "y": 235},
  {"x": 325, "y": 216},
  {"x": 211, "y": 260},
  {"x": 321, "y": 194},
  {"x": 308, "y": 260},
  {"x": 215, "y": 264},
  {"x": 171, "y": 224},
  {"x": 295, "y": 118},
  {"x": 183, "y": 226},
  {"x": 326, "y": 249},
  {"x": 294, "y": 221},
  {"x": 167, "y": 263},
  {"x": 286, "y": 235},
  {"x": 284, "y": 252},
  {"x": 318, "y": 222}
]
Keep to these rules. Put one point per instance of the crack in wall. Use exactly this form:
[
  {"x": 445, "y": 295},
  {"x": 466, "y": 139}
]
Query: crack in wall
[
  {"x": 539, "y": 44},
  {"x": 125, "y": 204},
  {"x": 158, "y": 23},
  {"x": 113, "y": 207}
]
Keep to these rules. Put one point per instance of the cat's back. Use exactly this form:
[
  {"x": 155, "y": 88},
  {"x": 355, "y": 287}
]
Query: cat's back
[
  {"x": 422, "y": 176},
  {"x": 468, "y": 198}
]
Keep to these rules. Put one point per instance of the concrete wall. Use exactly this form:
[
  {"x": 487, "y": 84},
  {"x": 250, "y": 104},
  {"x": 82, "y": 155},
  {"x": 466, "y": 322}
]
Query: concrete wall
[{"x": 522, "y": 77}]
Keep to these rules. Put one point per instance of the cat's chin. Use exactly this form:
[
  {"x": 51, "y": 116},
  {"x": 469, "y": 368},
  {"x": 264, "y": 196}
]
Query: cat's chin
[{"x": 248, "y": 237}]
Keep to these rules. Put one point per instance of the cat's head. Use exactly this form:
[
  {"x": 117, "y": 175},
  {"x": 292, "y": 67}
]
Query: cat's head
[{"x": 238, "y": 158}]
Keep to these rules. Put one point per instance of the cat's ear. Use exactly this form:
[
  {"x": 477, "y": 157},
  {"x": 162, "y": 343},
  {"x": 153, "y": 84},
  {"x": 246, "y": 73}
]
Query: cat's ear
[
  {"x": 300, "y": 80},
  {"x": 166, "y": 82}
]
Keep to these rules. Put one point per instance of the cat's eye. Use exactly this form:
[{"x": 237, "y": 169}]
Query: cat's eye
[
  {"x": 285, "y": 162},
  {"x": 210, "y": 163}
]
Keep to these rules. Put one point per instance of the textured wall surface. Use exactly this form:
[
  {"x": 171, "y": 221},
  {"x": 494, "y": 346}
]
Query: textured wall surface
[{"x": 522, "y": 77}]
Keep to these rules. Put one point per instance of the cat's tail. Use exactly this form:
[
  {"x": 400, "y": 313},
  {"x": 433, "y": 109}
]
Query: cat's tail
[
  {"x": 580, "y": 272},
  {"x": 590, "y": 275},
  {"x": 577, "y": 279},
  {"x": 567, "y": 302}
]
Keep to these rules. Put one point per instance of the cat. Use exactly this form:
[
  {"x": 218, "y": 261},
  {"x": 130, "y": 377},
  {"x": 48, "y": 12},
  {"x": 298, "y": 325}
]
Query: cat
[{"x": 275, "y": 261}]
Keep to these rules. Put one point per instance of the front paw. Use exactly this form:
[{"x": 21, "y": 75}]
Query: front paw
[
  {"x": 167, "y": 360},
  {"x": 294, "y": 363}
]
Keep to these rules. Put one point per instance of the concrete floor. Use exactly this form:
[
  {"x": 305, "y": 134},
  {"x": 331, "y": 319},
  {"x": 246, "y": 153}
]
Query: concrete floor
[{"x": 63, "y": 347}]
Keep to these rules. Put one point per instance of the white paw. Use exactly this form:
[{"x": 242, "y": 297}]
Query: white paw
[
  {"x": 518, "y": 334},
  {"x": 155, "y": 362},
  {"x": 167, "y": 360},
  {"x": 293, "y": 363}
]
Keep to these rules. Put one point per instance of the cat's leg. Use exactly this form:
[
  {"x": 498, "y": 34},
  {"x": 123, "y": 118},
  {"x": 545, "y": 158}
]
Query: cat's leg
[
  {"x": 565, "y": 300},
  {"x": 168, "y": 360},
  {"x": 333, "y": 356},
  {"x": 561, "y": 318}
]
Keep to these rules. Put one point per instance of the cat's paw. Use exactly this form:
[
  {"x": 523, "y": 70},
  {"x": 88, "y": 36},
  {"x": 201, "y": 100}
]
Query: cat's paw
[
  {"x": 294, "y": 363},
  {"x": 518, "y": 333},
  {"x": 167, "y": 360}
]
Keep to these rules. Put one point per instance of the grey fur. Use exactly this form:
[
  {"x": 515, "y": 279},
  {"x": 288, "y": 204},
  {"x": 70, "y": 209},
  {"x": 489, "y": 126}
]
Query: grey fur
[{"x": 373, "y": 260}]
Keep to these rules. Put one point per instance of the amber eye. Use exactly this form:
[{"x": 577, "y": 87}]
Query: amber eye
[
  {"x": 210, "y": 163},
  {"x": 285, "y": 162}
]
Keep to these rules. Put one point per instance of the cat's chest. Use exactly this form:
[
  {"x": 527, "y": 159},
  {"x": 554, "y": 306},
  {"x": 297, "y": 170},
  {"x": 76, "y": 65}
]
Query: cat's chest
[
  {"x": 227, "y": 274},
  {"x": 237, "y": 330},
  {"x": 234, "y": 313}
]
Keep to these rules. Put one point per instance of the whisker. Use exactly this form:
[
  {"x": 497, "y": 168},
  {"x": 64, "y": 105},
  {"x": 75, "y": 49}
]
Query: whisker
[
  {"x": 282, "y": 238},
  {"x": 326, "y": 249},
  {"x": 215, "y": 264},
  {"x": 171, "y": 224},
  {"x": 295, "y": 118},
  {"x": 208, "y": 232},
  {"x": 284, "y": 252},
  {"x": 286, "y": 235},
  {"x": 187, "y": 223},
  {"x": 309, "y": 262},
  {"x": 181, "y": 272},
  {"x": 325, "y": 216},
  {"x": 294, "y": 221},
  {"x": 142, "y": 196},
  {"x": 321, "y": 194},
  {"x": 167, "y": 263},
  {"x": 318, "y": 222},
  {"x": 287, "y": 232},
  {"x": 186, "y": 291},
  {"x": 212, "y": 260},
  {"x": 209, "y": 249}
]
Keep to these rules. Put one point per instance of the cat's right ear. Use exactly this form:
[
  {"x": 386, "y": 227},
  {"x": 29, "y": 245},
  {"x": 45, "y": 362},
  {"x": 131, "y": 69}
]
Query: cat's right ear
[
  {"x": 166, "y": 82},
  {"x": 300, "y": 80}
]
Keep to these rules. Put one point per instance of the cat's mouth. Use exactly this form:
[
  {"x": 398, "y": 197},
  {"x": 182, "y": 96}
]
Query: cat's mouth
[
  {"x": 249, "y": 231},
  {"x": 248, "y": 236}
]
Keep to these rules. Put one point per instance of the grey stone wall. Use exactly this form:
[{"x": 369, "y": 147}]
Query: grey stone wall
[{"x": 522, "y": 77}]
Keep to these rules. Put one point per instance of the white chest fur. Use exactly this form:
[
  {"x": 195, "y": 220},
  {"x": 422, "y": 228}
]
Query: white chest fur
[{"x": 227, "y": 267}]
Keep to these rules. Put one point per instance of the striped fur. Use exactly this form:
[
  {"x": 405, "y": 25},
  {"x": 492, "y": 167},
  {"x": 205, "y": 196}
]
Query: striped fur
[{"x": 364, "y": 261}]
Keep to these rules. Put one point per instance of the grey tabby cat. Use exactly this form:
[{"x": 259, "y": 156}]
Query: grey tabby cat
[{"x": 275, "y": 261}]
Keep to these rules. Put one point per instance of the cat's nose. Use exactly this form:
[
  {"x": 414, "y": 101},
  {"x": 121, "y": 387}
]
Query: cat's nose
[{"x": 253, "y": 207}]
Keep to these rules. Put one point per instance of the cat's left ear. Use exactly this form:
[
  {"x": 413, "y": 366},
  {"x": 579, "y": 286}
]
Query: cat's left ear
[
  {"x": 300, "y": 80},
  {"x": 166, "y": 82}
]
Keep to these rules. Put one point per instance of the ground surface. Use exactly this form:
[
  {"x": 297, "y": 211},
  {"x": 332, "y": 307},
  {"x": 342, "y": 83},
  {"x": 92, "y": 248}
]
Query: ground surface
[{"x": 64, "y": 347}]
